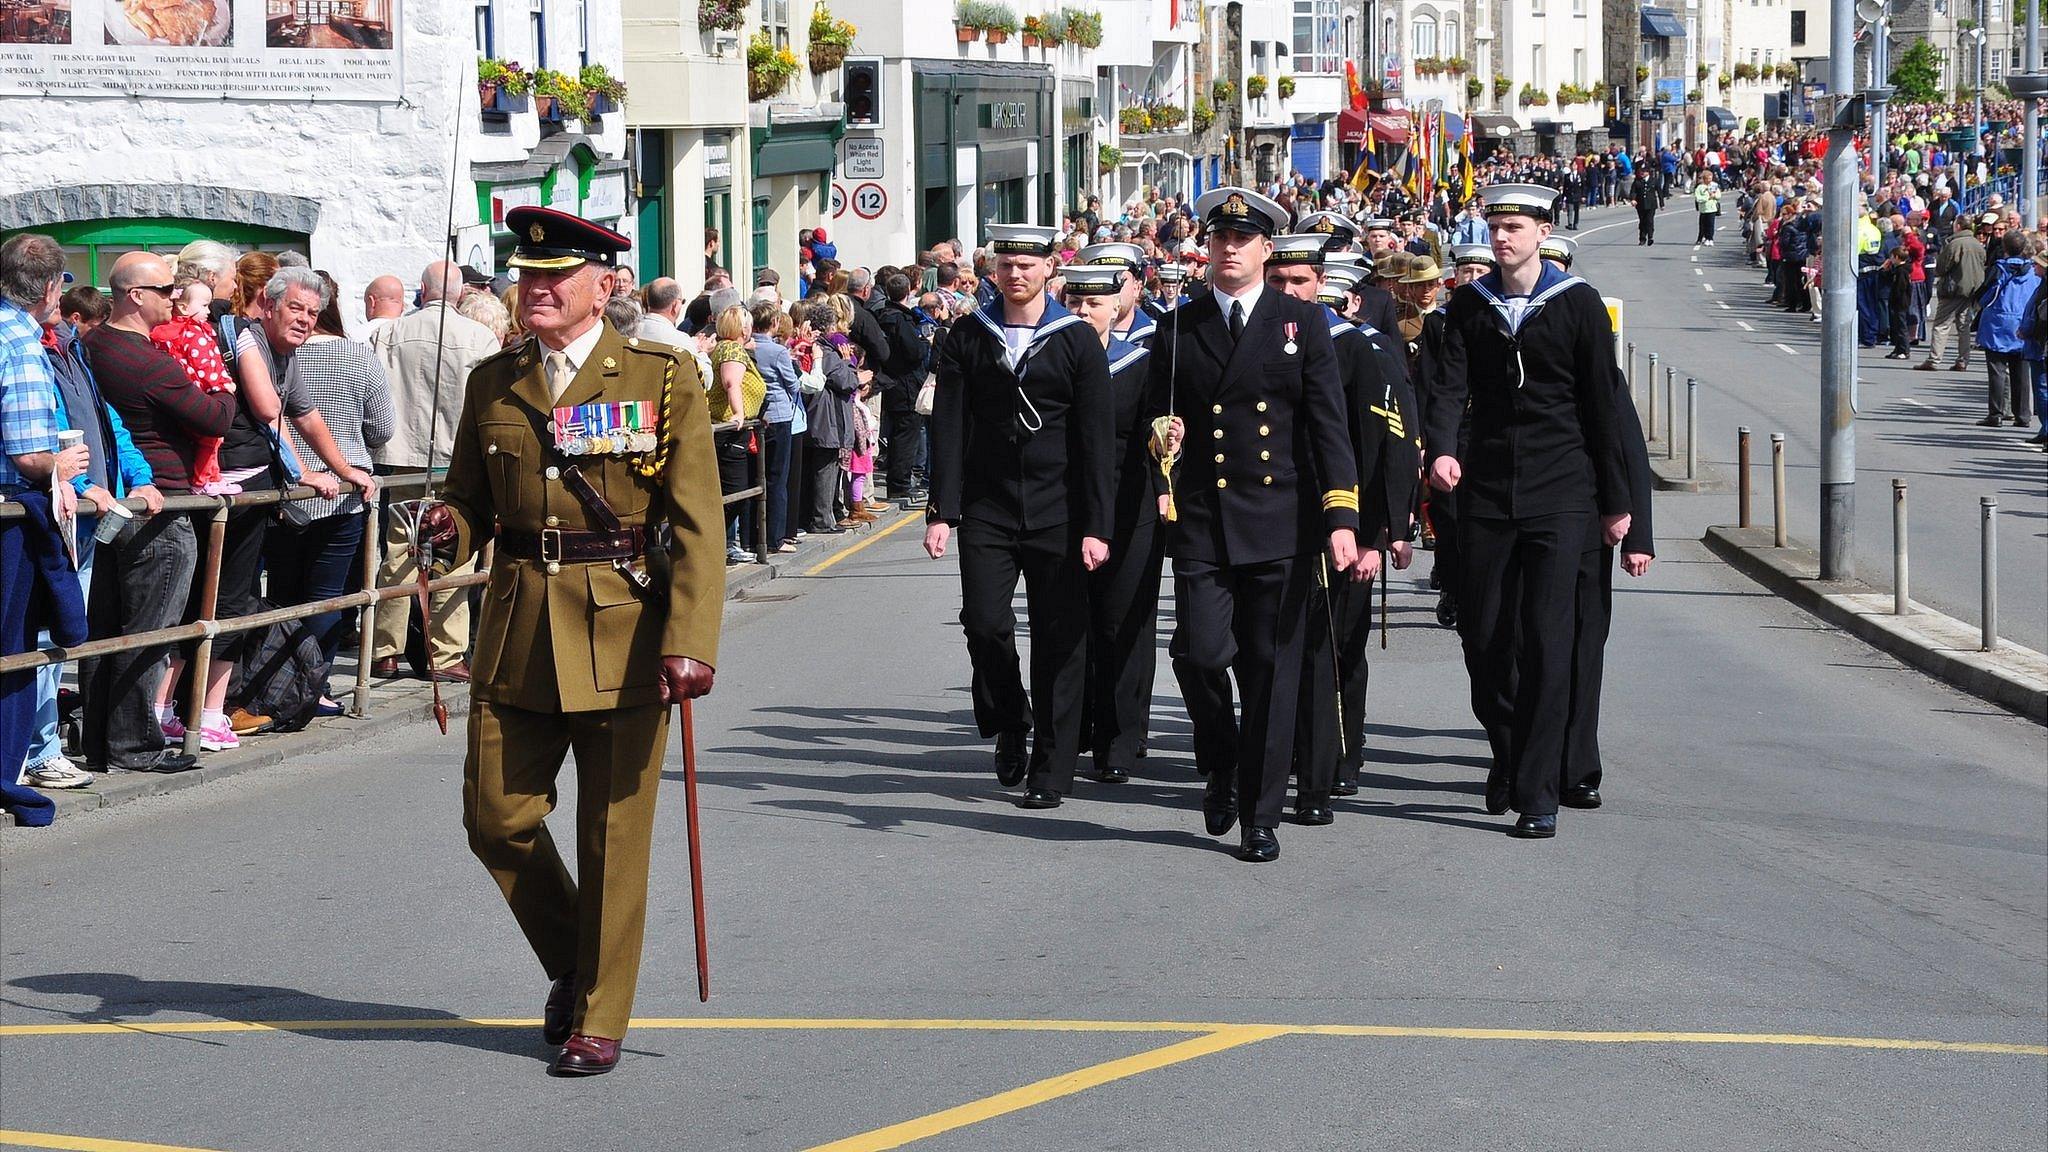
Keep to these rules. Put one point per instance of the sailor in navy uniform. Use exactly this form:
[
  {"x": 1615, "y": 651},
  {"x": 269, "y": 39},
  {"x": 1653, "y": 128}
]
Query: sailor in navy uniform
[
  {"x": 1471, "y": 261},
  {"x": 1265, "y": 475},
  {"x": 1559, "y": 250},
  {"x": 1538, "y": 464},
  {"x": 1330, "y": 720},
  {"x": 1023, "y": 466},
  {"x": 1171, "y": 277},
  {"x": 1376, "y": 309},
  {"x": 1123, "y": 594},
  {"x": 1137, "y": 323}
]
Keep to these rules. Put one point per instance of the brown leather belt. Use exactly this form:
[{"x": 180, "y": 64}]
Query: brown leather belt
[{"x": 570, "y": 546}]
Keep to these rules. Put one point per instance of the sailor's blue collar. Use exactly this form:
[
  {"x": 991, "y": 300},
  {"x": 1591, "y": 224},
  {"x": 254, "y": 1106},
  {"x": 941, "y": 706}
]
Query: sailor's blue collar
[
  {"x": 1550, "y": 277},
  {"x": 1142, "y": 326},
  {"x": 1122, "y": 354},
  {"x": 1054, "y": 318}
]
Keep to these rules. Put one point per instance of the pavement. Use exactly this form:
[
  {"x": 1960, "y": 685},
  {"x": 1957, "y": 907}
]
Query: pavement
[{"x": 1813, "y": 914}]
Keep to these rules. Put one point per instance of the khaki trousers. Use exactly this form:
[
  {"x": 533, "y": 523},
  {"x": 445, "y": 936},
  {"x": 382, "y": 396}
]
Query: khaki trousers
[
  {"x": 508, "y": 789},
  {"x": 1951, "y": 321},
  {"x": 447, "y": 631}
]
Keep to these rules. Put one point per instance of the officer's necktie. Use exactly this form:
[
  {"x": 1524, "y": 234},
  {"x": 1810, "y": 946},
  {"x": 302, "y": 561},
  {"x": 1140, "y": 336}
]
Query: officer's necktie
[
  {"x": 559, "y": 375},
  {"x": 1236, "y": 319}
]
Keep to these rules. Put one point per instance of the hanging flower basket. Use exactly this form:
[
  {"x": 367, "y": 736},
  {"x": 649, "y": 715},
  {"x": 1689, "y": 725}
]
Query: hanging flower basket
[{"x": 722, "y": 15}]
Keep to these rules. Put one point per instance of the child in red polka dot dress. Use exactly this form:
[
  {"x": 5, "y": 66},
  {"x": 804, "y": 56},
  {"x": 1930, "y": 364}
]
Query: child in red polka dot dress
[{"x": 188, "y": 338}]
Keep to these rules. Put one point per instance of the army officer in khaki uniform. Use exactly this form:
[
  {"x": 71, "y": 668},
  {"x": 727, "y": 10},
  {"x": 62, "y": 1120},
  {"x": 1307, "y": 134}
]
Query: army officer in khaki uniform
[{"x": 587, "y": 455}]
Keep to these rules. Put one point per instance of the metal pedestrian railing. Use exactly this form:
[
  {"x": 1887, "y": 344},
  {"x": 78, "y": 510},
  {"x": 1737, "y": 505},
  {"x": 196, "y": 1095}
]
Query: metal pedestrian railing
[{"x": 206, "y": 627}]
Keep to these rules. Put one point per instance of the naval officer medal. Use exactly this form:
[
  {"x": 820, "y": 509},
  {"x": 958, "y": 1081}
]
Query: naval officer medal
[{"x": 1290, "y": 347}]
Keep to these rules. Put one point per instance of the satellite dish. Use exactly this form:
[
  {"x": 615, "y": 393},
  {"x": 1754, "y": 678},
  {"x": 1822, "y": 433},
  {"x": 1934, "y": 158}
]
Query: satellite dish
[{"x": 1870, "y": 11}]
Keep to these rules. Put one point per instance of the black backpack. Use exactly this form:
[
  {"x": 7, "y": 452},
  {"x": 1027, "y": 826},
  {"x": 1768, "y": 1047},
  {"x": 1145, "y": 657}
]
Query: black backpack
[{"x": 282, "y": 674}]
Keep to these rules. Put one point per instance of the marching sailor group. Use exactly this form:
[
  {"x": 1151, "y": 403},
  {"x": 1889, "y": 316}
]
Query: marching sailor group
[{"x": 1279, "y": 433}]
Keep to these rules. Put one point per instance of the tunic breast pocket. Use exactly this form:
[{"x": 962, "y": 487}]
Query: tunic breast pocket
[{"x": 504, "y": 447}]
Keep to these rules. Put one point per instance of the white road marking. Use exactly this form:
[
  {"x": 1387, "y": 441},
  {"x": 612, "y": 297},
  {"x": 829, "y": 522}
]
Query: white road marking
[
  {"x": 1724, "y": 305},
  {"x": 1699, "y": 271},
  {"x": 1918, "y": 404},
  {"x": 1786, "y": 350},
  {"x": 1585, "y": 232},
  {"x": 1744, "y": 325},
  {"x": 1708, "y": 287}
]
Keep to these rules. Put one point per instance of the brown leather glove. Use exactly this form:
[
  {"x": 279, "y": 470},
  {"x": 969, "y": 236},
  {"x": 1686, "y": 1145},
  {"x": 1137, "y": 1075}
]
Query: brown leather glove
[
  {"x": 437, "y": 526},
  {"x": 684, "y": 679}
]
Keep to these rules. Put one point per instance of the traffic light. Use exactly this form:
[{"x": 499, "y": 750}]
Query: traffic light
[{"x": 861, "y": 84}]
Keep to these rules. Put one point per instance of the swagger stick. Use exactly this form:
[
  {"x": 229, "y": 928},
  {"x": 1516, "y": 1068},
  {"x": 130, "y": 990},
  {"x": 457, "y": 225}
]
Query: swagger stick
[{"x": 696, "y": 852}]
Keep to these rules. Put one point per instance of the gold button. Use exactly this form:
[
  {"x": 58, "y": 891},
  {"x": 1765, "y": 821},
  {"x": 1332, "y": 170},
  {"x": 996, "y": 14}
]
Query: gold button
[
  {"x": 1265, "y": 455},
  {"x": 554, "y": 568},
  {"x": 553, "y": 521},
  {"x": 1262, "y": 405},
  {"x": 492, "y": 450},
  {"x": 1222, "y": 483},
  {"x": 554, "y": 473},
  {"x": 1218, "y": 434},
  {"x": 1265, "y": 431},
  {"x": 1219, "y": 457},
  {"x": 1269, "y": 479},
  {"x": 1216, "y": 408}
]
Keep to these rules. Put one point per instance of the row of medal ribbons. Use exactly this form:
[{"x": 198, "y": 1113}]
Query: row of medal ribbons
[{"x": 605, "y": 429}]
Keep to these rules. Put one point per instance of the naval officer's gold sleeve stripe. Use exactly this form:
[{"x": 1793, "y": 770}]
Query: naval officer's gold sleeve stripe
[{"x": 1341, "y": 498}]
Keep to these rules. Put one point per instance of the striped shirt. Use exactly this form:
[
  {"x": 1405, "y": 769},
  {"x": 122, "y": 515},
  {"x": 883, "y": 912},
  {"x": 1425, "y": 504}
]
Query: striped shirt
[
  {"x": 345, "y": 382},
  {"x": 28, "y": 393}
]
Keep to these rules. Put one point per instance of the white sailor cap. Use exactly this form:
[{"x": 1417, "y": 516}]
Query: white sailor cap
[
  {"x": 1382, "y": 224},
  {"x": 1092, "y": 279},
  {"x": 1338, "y": 283},
  {"x": 1473, "y": 254},
  {"x": 1349, "y": 261},
  {"x": 1022, "y": 239},
  {"x": 1298, "y": 248},
  {"x": 1338, "y": 231},
  {"x": 1234, "y": 209},
  {"x": 1519, "y": 199},
  {"x": 1123, "y": 255},
  {"x": 1558, "y": 248},
  {"x": 1172, "y": 273}
]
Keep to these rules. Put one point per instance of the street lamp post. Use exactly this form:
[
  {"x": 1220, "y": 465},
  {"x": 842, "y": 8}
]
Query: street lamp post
[{"x": 1838, "y": 314}]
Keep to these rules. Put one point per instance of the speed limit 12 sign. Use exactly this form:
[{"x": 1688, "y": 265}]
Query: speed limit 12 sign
[
  {"x": 869, "y": 201},
  {"x": 838, "y": 201}
]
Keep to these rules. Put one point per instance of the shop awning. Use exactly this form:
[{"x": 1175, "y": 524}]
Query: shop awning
[
  {"x": 1490, "y": 127},
  {"x": 1351, "y": 127},
  {"x": 1387, "y": 127},
  {"x": 1722, "y": 120},
  {"x": 1660, "y": 23}
]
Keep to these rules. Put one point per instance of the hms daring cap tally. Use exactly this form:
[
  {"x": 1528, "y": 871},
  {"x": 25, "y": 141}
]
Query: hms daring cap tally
[
  {"x": 1519, "y": 200},
  {"x": 1230, "y": 209},
  {"x": 1128, "y": 256},
  {"x": 552, "y": 241},
  {"x": 1093, "y": 279},
  {"x": 1022, "y": 239},
  {"x": 1473, "y": 254},
  {"x": 1558, "y": 248},
  {"x": 1298, "y": 248}
]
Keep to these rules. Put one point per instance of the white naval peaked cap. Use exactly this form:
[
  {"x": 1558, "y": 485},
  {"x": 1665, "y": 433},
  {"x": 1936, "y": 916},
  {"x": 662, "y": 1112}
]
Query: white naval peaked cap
[
  {"x": 1381, "y": 224},
  {"x": 1022, "y": 239},
  {"x": 1234, "y": 209},
  {"x": 1474, "y": 254},
  {"x": 1298, "y": 248},
  {"x": 1337, "y": 230},
  {"x": 1519, "y": 199},
  {"x": 1093, "y": 279},
  {"x": 1349, "y": 261},
  {"x": 1126, "y": 255}
]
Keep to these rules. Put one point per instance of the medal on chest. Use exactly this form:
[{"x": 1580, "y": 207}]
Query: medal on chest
[
  {"x": 1290, "y": 328},
  {"x": 605, "y": 429}
]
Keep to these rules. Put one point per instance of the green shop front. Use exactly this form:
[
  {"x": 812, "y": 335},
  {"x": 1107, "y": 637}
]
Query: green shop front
[
  {"x": 97, "y": 224},
  {"x": 985, "y": 143},
  {"x": 563, "y": 173}
]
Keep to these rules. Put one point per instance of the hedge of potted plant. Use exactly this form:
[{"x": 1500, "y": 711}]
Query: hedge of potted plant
[
  {"x": 606, "y": 92},
  {"x": 1081, "y": 26},
  {"x": 1286, "y": 85},
  {"x": 831, "y": 39},
  {"x": 1457, "y": 65},
  {"x": 1601, "y": 91},
  {"x": 722, "y": 15},
  {"x": 1532, "y": 96},
  {"x": 1134, "y": 120},
  {"x": 1788, "y": 71},
  {"x": 1224, "y": 91},
  {"x": 1428, "y": 66},
  {"x": 1204, "y": 114},
  {"x": 502, "y": 86},
  {"x": 1745, "y": 71},
  {"x": 768, "y": 68},
  {"x": 1570, "y": 94},
  {"x": 557, "y": 97},
  {"x": 1167, "y": 117},
  {"x": 998, "y": 21},
  {"x": 1108, "y": 158},
  {"x": 1034, "y": 31},
  {"x": 1502, "y": 85},
  {"x": 1255, "y": 86},
  {"x": 968, "y": 19},
  {"x": 1474, "y": 88}
]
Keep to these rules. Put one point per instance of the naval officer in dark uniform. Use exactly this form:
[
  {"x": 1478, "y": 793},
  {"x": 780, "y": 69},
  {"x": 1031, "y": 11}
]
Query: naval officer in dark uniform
[
  {"x": 1023, "y": 467},
  {"x": 586, "y": 455},
  {"x": 1538, "y": 465},
  {"x": 1330, "y": 722},
  {"x": 1265, "y": 477}
]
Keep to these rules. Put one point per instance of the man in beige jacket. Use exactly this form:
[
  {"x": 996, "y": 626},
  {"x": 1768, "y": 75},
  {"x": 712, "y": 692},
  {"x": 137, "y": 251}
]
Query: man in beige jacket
[{"x": 414, "y": 348}]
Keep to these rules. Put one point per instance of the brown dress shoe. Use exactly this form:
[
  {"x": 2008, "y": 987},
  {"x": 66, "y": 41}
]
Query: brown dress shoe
[
  {"x": 557, "y": 1018},
  {"x": 864, "y": 516},
  {"x": 385, "y": 668},
  {"x": 587, "y": 1056},
  {"x": 456, "y": 673}
]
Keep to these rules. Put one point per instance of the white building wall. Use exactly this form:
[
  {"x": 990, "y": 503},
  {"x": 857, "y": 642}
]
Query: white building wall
[{"x": 1563, "y": 43}]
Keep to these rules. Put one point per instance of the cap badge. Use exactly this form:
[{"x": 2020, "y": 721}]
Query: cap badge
[
  {"x": 1325, "y": 226},
  {"x": 537, "y": 233},
  {"x": 1235, "y": 206}
]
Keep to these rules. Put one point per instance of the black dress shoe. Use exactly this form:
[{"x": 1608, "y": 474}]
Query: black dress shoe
[
  {"x": 587, "y": 1056},
  {"x": 1498, "y": 788},
  {"x": 167, "y": 761},
  {"x": 1315, "y": 815},
  {"x": 1447, "y": 610},
  {"x": 1259, "y": 845},
  {"x": 1580, "y": 796},
  {"x": 1012, "y": 761},
  {"x": 559, "y": 1016},
  {"x": 1535, "y": 827},
  {"x": 1344, "y": 788},
  {"x": 1040, "y": 798},
  {"x": 1219, "y": 811},
  {"x": 1113, "y": 774}
]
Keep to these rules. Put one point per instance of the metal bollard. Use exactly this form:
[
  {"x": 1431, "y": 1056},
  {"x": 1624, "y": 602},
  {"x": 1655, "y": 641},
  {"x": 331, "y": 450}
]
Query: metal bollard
[
  {"x": 1632, "y": 377},
  {"x": 1779, "y": 529},
  {"x": 1899, "y": 589},
  {"x": 1670, "y": 413},
  {"x": 1742, "y": 482},
  {"x": 1692, "y": 424},
  {"x": 1651, "y": 388},
  {"x": 1988, "y": 513}
]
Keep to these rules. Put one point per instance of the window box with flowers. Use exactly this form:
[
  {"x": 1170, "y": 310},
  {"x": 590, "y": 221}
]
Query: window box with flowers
[
  {"x": 1745, "y": 71},
  {"x": 1168, "y": 117},
  {"x": 502, "y": 87},
  {"x": 1134, "y": 120},
  {"x": 557, "y": 97},
  {"x": 1788, "y": 72},
  {"x": 1532, "y": 96},
  {"x": 1601, "y": 91},
  {"x": 1428, "y": 66},
  {"x": 722, "y": 15},
  {"x": 1034, "y": 33},
  {"x": 1080, "y": 27},
  {"x": 768, "y": 68},
  {"x": 1286, "y": 86},
  {"x": 1204, "y": 114},
  {"x": 606, "y": 92},
  {"x": 1255, "y": 87},
  {"x": 1457, "y": 65},
  {"x": 831, "y": 39}
]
